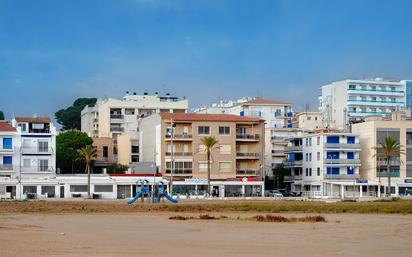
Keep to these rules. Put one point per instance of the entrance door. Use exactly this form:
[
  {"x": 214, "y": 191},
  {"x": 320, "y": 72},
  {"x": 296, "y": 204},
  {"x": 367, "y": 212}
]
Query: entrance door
[{"x": 61, "y": 191}]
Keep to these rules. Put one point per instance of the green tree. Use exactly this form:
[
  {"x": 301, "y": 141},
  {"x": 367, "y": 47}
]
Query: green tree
[
  {"x": 117, "y": 168},
  {"x": 279, "y": 173},
  {"x": 70, "y": 118},
  {"x": 390, "y": 148},
  {"x": 88, "y": 154},
  {"x": 209, "y": 143},
  {"x": 67, "y": 144},
  {"x": 1, "y": 115}
]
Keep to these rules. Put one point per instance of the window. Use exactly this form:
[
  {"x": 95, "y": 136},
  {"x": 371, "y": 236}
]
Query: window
[
  {"x": 49, "y": 190},
  {"x": 332, "y": 171},
  {"x": 204, "y": 130},
  {"x": 310, "y": 157},
  {"x": 26, "y": 163},
  {"x": 350, "y": 155},
  {"x": 225, "y": 149},
  {"x": 129, "y": 111},
  {"x": 7, "y": 160},
  {"x": 332, "y": 155},
  {"x": 224, "y": 130},
  {"x": 307, "y": 172},
  {"x": 306, "y": 142},
  {"x": 225, "y": 166},
  {"x": 352, "y": 86},
  {"x": 202, "y": 166},
  {"x": 318, "y": 172},
  {"x": 105, "y": 151},
  {"x": 316, "y": 118},
  {"x": 351, "y": 140},
  {"x": 318, "y": 156},
  {"x": 43, "y": 146},
  {"x": 43, "y": 165},
  {"x": 318, "y": 140},
  {"x": 332, "y": 140},
  {"x": 29, "y": 190},
  {"x": 310, "y": 171},
  {"x": 135, "y": 158},
  {"x": 78, "y": 188},
  {"x": 310, "y": 141},
  {"x": 103, "y": 188},
  {"x": 309, "y": 118},
  {"x": 307, "y": 157},
  {"x": 350, "y": 170},
  {"x": 7, "y": 143}
]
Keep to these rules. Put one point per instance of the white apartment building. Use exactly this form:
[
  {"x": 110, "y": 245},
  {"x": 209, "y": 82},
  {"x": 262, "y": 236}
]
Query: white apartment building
[
  {"x": 29, "y": 157},
  {"x": 308, "y": 120},
  {"x": 278, "y": 123},
  {"x": 326, "y": 164},
  {"x": 118, "y": 120},
  {"x": 347, "y": 101}
]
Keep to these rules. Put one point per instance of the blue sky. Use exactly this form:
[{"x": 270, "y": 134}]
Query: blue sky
[{"x": 52, "y": 52}]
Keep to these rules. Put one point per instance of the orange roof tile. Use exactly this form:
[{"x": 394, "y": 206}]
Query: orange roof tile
[
  {"x": 4, "y": 126},
  {"x": 33, "y": 119},
  {"x": 259, "y": 100},
  {"x": 207, "y": 117}
]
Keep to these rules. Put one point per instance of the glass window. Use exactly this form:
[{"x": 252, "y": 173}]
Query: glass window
[
  {"x": 7, "y": 160},
  {"x": 44, "y": 165},
  {"x": 350, "y": 170},
  {"x": 204, "y": 130},
  {"x": 318, "y": 156},
  {"x": 78, "y": 188},
  {"x": 225, "y": 149},
  {"x": 43, "y": 146},
  {"x": 7, "y": 143},
  {"x": 225, "y": 166},
  {"x": 103, "y": 188},
  {"x": 224, "y": 130},
  {"x": 351, "y": 140},
  {"x": 350, "y": 155},
  {"x": 332, "y": 140},
  {"x": 318, "y": 172}
]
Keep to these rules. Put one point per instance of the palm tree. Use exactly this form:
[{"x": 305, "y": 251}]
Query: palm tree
[
  {"x": 88, "y": 153},
  {"x": 209, "y": 143},
  {"x": 389, "y": 149}
]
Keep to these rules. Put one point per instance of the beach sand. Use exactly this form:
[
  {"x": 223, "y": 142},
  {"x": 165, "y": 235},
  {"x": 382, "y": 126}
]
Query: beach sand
[{"x": 153, "y": 234}]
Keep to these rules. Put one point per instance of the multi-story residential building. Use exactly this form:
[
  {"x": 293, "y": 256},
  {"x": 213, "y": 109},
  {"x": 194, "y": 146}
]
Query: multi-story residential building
[
  {"x": 374, "y": 163},
  {"x": 347, "y": 101},
  {"x": 29, "y": 154},
  {"x": 278, "y": 123},
  {"x": 308, "y": 120},
  {"x": 111, "y": 118},
  {"x": 326, "y": 164},
  {"x": 173, "y": 141}
]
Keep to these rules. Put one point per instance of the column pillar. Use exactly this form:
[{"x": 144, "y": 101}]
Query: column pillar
[
  {"x": 379, "y": 191},
  {"x": 342, "y": 192}
]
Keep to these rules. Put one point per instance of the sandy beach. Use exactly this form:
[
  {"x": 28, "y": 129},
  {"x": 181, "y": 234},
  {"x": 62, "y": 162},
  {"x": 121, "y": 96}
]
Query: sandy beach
[{"x": 153, "y": 234}]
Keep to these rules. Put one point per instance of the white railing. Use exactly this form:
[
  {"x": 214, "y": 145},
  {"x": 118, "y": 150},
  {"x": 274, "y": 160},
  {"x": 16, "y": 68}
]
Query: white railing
[
  {"x": 312, "y": 194},
  {"x": 342, "y": 161},
  {"x": 36, "y": 150}
]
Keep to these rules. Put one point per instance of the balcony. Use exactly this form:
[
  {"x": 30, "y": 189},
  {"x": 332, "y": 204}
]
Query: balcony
[
  {"x": 294, "y": 148},
  {"x": 359, "y": 102},
  {"x": 278, "y": 153},
  {"x": 179, "y": 137},
  {"x": 37, "y": 169},
  {"x": 292, "y": 177},
  {"x": 341, "y": 161},
  {"x": 116, "y": 129},
  {"x": 247, "y": 137},
  {"x": 179, "y": 171},
  {"x": 176, "y": 154},
  {"x": 341, "y": 176},
  {"x": 342, "y": 145},
  {"x": 36, "y": 150},
  {"x": 395, "y": 162},
  {"x": 370, "y": 91},
  {"x": 6, "y": 167},
  {"x": 384, "y": 174},
  {"x": 116, "y": 116},
  {"x": 247, "y": 172},
  {"x": 293, "y": 163},
  {"x": 240, "y": 155}
]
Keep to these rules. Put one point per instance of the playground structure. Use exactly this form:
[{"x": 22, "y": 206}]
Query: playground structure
[{"x": 157, "y": 193}]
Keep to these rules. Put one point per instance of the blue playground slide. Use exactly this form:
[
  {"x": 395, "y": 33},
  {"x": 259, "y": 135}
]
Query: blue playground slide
[
  {"x": 134, "y": 199},
  {"x": 170, "y": 198}
]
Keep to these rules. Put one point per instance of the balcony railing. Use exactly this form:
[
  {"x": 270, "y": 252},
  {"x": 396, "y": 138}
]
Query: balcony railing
[
  {"x": 293, "y": 148},
  {"x": 117, "y": 129},
  {"x": 375, "y": 90},
  {"x": 384, "y": 174},
  {"x": 278, "y": 152},
  {"x": 342, "y": 145},
  {"x": 250, "y": 172},
  {"x": 179, "y": 136},
  {"x": 179, "y": 171},
  {"x": 341, "y": 176},
  {"x": 6, "y": 167},
  {"x": 179, "y": 153},
  {"x": 292, "y": 177},
  {"x": 37, "y": 169},
  {"x": 395, "y": 162},
  {"x": 247, "y": 155},
  {"x": 342, "y": 161},
  {"x": 293, "y": 163},
  {"x": 248, "y": 136},
  {"x": 36, "y": 150},
  {"x": 116, "y": 116}
]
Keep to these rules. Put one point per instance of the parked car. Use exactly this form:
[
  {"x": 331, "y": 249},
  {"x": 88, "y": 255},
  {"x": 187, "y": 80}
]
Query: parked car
[{"x": 273, "y": 193}]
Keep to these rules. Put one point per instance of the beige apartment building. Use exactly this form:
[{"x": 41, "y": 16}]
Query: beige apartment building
[
  {"x": 308, "y": 121},
  {"x": 117, "y": 120},
  {"x": 374, "y": 165},
  {"x": 238, "y": 155}
]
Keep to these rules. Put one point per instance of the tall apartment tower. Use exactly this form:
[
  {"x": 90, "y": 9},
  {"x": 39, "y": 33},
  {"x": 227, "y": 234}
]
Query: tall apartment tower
[{"x": 345, "y": 102}]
